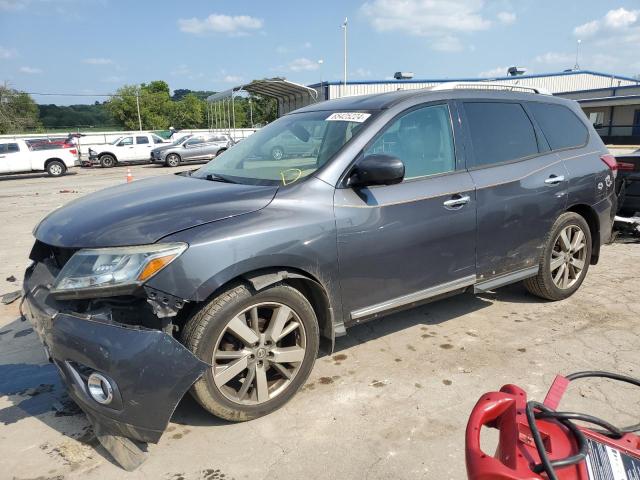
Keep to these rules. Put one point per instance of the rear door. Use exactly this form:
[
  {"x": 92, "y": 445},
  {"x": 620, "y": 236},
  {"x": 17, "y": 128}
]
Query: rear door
[
  {"x": 400, "y": 244},
  {"x": 521, "y": 186}
]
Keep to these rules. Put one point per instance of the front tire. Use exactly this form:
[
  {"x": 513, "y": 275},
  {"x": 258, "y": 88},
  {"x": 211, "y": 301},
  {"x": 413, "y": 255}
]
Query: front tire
[
  {"x": 262, "y": 347},
  {"x": 56, "y": 168},
  {"x": 107, "y": 161},
  {"x": 172, "y": 160},
  {"x": 565, "y": 259}
]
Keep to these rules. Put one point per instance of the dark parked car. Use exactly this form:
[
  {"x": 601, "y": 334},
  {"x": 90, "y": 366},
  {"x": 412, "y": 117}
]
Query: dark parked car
[
  {"x": 227, "y": 280},
  {"x": 195, "y": 148},
  {"x": 629, "y": 182}
]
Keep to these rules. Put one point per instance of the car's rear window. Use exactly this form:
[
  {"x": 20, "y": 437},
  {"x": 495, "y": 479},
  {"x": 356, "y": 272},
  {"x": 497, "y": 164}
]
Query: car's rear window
[
  {"x": 500, "y": 132},
  {"x": 561, "y": 127}
]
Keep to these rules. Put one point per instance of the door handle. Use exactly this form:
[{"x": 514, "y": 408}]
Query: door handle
[
  {"x": 554, "y": 179},
  {"x": 457, "y": 201}
]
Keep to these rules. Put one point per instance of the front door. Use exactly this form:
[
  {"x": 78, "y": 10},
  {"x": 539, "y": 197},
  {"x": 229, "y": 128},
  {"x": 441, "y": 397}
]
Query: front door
[
  {"x": 143, "y": 148},
  {"x": 400, "y": 244},
  {"x": 126, "y": 149}
]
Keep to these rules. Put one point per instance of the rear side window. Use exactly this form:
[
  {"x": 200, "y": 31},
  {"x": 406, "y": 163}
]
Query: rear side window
[
  {"x": 13, "y": 147},
  {"x": 561, "y": 127},
  {"x": 141, "y": 140},
  {"x": 500, "y": 132}
]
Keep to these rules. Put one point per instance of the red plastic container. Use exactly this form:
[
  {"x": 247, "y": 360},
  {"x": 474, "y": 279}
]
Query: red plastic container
[{"x": 516, "y": 453}]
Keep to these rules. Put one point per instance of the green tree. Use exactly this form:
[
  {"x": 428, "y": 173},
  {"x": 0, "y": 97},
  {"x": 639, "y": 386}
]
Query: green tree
[
  {"x": 18, "y": 111},
  {"x": 188, "y": 113},
  {"x": 155, "y": 106}
]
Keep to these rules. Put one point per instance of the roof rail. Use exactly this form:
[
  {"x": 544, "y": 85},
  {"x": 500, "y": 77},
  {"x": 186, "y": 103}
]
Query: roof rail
[{"x": 489, "y": 86}]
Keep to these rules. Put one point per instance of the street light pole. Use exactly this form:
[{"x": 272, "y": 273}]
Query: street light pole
[
  {"x": 577, "y": 66},
  {"x": 138, "y": 106},
  {"x": 344, "y": 28}
]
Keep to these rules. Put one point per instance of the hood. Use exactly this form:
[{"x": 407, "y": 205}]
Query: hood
[
  {"x": 163, "y": 147},
  {"x": 144, "y": 211}
]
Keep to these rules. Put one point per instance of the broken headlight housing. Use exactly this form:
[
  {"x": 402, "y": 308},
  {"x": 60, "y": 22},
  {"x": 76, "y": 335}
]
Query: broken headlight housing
[{"x": 113, "y": 271}]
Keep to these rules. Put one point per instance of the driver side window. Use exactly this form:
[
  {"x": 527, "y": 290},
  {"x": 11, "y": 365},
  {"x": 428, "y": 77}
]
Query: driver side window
[
  {"x": 422, "y": 139},
  {"x": 126, "y": 141}
]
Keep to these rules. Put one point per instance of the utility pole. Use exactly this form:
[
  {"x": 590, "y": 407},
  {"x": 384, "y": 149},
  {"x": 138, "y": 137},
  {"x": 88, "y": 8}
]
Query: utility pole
[
  {"x": 250, "y": 112},
  {"x": 577, "y": 66},
  {"x": 138, "y": 105},
  {"x": 344, "y": 28}
]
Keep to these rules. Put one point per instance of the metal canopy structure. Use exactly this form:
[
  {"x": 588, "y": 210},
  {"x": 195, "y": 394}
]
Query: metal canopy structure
[{"x": 289, "y": 95}]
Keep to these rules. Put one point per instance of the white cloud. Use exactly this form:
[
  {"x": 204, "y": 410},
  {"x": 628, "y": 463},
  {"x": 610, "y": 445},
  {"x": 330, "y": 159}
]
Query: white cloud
[
  {"x": 214, "y": 23},
  {"x": 232, "y": 79},
  {"x": 441, "y": 20},
  {"x": 7, "y": 53},
  {"x": 303, "y": 65},
  {"x": 30, "y": 70},
  {"x": 98, "y": 61},
  {"x": 588, "y": 29},
  {"x": 494, "y": 72},
  {"x": 13, "y": 5},
  {"x": 181, "y": 70},
  {"x": 556, "y": 59},
  {"x": 621, "y": 18},
  {"x": 507, "y": 18},
  {"x": 113, "y": 79}
]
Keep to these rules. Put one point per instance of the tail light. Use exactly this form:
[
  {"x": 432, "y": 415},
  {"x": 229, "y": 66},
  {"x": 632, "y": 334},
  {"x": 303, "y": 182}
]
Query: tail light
[
  {"x": 626, "y": 166},
  {"x": 73, "y": 151},
  {"x": 611, "y": 162}
]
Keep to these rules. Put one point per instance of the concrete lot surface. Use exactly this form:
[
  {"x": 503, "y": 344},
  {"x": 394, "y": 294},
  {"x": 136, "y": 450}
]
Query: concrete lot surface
[{"x": 391, "y": 402}]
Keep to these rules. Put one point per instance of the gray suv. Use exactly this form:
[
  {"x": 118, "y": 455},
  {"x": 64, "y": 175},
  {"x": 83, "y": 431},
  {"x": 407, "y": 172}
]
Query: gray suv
[
  {"x": 194, "y": 148},
  {"x": 227, "y": 280}
]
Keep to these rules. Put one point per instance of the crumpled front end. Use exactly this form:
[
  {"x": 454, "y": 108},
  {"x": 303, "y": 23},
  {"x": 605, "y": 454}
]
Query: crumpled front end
[{"x": 119, "y": 361}]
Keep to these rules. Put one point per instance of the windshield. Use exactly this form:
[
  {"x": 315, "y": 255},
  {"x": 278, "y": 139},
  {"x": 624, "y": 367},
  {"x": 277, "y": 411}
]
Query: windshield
[
  {"x": 287, "y": 150},
  {"x": 181, "y": 140}
]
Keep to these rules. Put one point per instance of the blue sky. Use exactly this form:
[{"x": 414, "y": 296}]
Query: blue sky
[{"x": 95, "y": 46}]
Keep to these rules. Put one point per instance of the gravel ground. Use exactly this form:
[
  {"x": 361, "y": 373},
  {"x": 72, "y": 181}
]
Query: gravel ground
[{"x": 391, "y": 402}]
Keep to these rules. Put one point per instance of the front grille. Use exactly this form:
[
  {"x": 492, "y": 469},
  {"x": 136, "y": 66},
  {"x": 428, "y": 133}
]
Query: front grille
[{"x": 58, "y": 255}]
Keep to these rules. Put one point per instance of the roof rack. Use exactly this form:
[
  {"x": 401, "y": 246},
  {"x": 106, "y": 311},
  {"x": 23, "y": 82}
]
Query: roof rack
[{"x": 489, "y": 86}]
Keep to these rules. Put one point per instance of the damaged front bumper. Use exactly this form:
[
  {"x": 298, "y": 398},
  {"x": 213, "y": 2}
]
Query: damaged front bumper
[{"x": 148, "y": 371}]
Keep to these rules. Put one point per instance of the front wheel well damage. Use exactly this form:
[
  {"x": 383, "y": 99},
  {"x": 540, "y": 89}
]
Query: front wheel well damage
[
  {"x": 258, "y": 280},
  {"x": 591, "y": 217}
]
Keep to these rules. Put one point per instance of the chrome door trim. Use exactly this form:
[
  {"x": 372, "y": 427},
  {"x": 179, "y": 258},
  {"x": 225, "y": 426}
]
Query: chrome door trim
[
  {"x": 505, "y": 279},
  {"x": 414, "y": 297}
]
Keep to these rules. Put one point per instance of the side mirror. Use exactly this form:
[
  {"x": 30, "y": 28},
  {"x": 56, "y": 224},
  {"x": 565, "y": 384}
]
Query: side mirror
[{"x": 377, "y": 169}]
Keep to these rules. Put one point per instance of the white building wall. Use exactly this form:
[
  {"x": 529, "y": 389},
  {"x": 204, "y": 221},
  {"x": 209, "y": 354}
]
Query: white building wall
[{"x": 552, "y": 83}]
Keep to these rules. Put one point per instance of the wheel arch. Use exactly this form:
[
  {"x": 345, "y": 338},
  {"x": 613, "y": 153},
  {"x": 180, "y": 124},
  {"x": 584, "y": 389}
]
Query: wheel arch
[
  {"x": 102, "y": 154},
  {"x": 311, "y": 287},
  {"x": 53, "y": 159},
  {"x": 591, "y": 217}
]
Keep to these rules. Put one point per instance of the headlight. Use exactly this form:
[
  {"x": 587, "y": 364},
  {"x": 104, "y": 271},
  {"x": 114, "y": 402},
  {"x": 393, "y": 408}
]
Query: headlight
[{"x": 117, "y": 270}]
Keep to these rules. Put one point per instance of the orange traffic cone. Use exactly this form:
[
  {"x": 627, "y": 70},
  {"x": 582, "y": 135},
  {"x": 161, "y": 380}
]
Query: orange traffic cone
[{"x": 129, "y": 176}]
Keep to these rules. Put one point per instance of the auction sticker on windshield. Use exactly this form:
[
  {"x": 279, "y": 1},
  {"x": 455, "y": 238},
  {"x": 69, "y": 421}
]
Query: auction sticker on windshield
[{"x": 357, "y": 117}]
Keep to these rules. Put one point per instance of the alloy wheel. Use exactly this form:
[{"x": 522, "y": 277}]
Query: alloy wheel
[
  {"x": 55, "y": 170},
  {"x": 568, "y": 257},
  {"x": 259, "y": 353}
]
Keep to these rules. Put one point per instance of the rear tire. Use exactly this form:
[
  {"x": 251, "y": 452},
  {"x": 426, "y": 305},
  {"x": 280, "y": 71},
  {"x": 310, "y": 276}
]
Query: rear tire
[
  {"x": 238, "y": 328},
  {"x": 56, "y": 168},
  {"x": 172, "y": 160},
  {"x": 565, "y": 259},
  {"x": 107, "y": 161}
]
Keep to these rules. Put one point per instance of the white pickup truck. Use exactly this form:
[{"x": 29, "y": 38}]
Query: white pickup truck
[
  {"x": 17, "y": 157},
  {"x": 130, "y": 148}
]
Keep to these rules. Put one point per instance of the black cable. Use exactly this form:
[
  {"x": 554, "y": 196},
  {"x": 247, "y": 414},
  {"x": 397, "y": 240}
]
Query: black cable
[{"x": 564, "y": 418}]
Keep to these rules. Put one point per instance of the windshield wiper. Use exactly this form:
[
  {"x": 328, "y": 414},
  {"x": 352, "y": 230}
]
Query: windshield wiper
[{"x": 218, "y": 178}]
